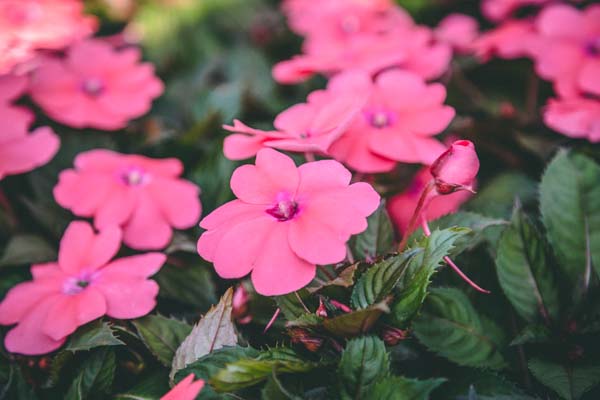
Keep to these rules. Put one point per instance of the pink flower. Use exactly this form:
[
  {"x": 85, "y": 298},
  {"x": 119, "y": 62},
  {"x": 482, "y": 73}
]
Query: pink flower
[
  {"x": 95, "y": 86},
  {"x": 286, "y": 220},
  {"x": 81, "y": 286},
  {"x": 497, "y": 10},
  {"x": 28, "y": 25},
  {"x": 397, "y": 122},
  {"x": 512, "y": 39},
  {"x": 577, "y": 117},
  {"x": 304, "y": 127},
  {"x": 456, "y": 168},
  {"x": 187, "y": 389},
  {"x": 567, "y": 49},
  {"x": 142, "y": 195},
  {"x": 401, "y": 207},
  {"x": 458, "y": 30},
  {"x": 21, "y": 151}
]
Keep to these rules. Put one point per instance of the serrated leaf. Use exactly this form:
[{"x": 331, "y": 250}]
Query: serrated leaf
[
  {"x": 524, "y": 272},
  {"x": 26, "y": 249},
  {"x": 570, "y": 207},
  {"x": 344, "y": 279},
  {"x": 450, "y": 326},
  {"x": 356, "y": 322},
  {"x": 412, "y": 287},
  {"x": 380, "y": 279},
  {"x": 484, "y": 384},
  {"x": 162, "y": 336},
  {"x": 363, "y": 362},
  {"x": 95, "y": 378},
  {"x": 214, "y": 331},
  {"x": 401, "y": 388},
  {"x": 94, "y": 334},
  {"x": 191, "y": 285},
  {"x": 149, "y": 388},
  {"x": 289, "y": 304},
  {"x": 248, "y": 372},
  {"x": 378, "y": 238},
  {"x": 570, "y": 382}
]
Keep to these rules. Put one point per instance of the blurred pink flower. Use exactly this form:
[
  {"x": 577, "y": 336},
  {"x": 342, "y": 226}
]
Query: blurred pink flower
[
  {"x": 286, "y": 220},
  {"x": 144, "y": 196},
  {"x": 402, "y": 206},
  {"x": 396, "y": 124},
  {"x": 512, "y": 39},
  {"x": 304, "y": 127},
  {"x": 29, "y": 25},
  {"x": 456, "y": 168},
  {"x": 186, "y": 389},
  {"x": 567, "y": 48},
  {"x": 95, "y": 86},
  {"x": 497, "y": 10},
  {"x": 459, "y": 31},
  {"x": 576, "y": 117},
  {"x": 81, "y": 286},
  {"x": 21, "y": 151}
]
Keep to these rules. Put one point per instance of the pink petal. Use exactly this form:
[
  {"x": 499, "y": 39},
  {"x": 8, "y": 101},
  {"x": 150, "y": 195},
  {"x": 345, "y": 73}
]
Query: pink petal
[
  {"x": 83, "y": 193},
  {"x": 427, "y": 122},
  {"x": 178, "y": 200},
  {"x": 240, "y": 147},
  {"x": 186, "y": 389},
  {"x": 100, "y": 160},
  {"x": 406, "y": 148},
  {"x": 352, "y": 149},
  {"x": 22, "y": 298},
  {"x": 118, "y": 208},
  {"x": 127, "y": 297},
  {"x": 560, "y": 21},
  {"x": 296, "y": 119},
  {"x": 75, "y": 246},
  {"x": 322, "y": 175},
  {"x": 47, "y": 270},
  {"x": 147, "y": 228},
  {"x": 231, "y": 212},
  {"x": 312, "y": 239},
  {"x": 589, "y": 78},
  {"x": 139, "y": 266},
  {"x": 274, "y": 173},
  {"x": 34, "y": 150}
]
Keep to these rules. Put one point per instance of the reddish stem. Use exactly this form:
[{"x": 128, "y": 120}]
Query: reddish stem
[
  {"x": 416, "y": 214},
  {"x": 272, "y": 320}
]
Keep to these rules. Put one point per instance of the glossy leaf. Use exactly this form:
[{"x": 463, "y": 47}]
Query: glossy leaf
[
  {"x": 95, "y": 334},
  {"x": 95, "y": 377},
  {"x": 570, "y": 382},
  {"x": 162, "y": 336},
  {"x": 401, "y": 388},
  {"x": 377, "y": 239},
  {"x": 356, "y": 322}
]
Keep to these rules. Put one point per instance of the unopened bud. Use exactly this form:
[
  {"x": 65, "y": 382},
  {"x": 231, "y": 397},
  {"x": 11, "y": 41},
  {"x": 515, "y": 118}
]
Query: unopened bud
[
  {"x": 392, "y": 336},
  {"x": 303, "y": 336},
  {"x": 240, "y": 310},
  {"x": 456, "y": 168},
  {"x": 321, "y": 311}
]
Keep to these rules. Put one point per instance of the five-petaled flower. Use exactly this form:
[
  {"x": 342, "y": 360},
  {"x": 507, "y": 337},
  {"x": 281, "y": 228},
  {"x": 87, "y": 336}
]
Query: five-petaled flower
[
  {"x": 83, "y": 285},
  {"x": 286, "y": 220}
]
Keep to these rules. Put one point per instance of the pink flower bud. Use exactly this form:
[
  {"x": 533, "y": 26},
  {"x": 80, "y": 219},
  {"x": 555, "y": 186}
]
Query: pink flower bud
[
  {"x": 240, "y": 305},
  {"x": 392, "y": 336},
  {"x": 321, "y": 311},
  {"x": 456, "y": 168}
]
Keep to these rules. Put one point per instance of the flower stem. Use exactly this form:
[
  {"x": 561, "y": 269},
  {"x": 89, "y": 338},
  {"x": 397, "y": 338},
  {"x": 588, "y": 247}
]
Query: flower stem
[{"x": 416, "y": 214}]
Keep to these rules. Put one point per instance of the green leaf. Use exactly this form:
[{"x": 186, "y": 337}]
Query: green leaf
[
  {"x": 570, "y": 382},
  {"x": 94, "y": 334},
  {"x": 289, "y": 304},
  {"x": 496, "y": 199},
  {"x": 401, "y": 388},
  {"x": 344, "y": 279},
  {"x": 248, "y": 372},
  {"x": 26, "y": 250},
  {"x": 95, "y": 378},
  {"x": 191, "y": 285},
  {"x": 378, "y": 238},
  {"x": 380, "y": 279},
  {"x": 364, "y": 362},
  {"x": 532, "y": 334},
  {"x": 162, "y": 336},
  {"x": 450, "y": 326},
  {"x": 412, "y": 287},
  {"x": 570, "y": 206},
  {"x": 214, "y": 331},
  {"x": 356, "y": 322},
  {"x": 150, "y": 388},
  {"x": 524, "y": 272},
  {"x": 16, "y": 387}
]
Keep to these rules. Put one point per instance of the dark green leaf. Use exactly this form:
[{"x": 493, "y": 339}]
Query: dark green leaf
[
  {"x": 570, "y": 382},
  {"x": 532, "y": 334},
  {"x": 356, "y": 322},
  {"x": 95, "y": 377},
  {"x": 26, "y": 250},
  {"x": 377, "y": 239},
  {"x": 570, "y": 206},
  {"x": 401, "y": 388},
  {"x": 151, "y": 388},
  {"x": 191, "y": 285},
  {"x": 344, "y": 279},
  {"x": 162, "y": 336},
  {"x": 290, "y": 305},
  {"x": 450, "y": 326},
  {"x": 496, "y": 199},
  {"x": 16, "y": 387},
  {"x": 94, "y": 334},
  {"x": 364, "y": 362},
  {"x": 524, "y": 272},
  {"x": 380, "y": 279}
]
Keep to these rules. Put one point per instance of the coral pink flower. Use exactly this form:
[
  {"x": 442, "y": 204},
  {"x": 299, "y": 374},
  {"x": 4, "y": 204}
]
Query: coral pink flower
[
  {"x": 286, "y": 220},
  {"x": 497, "y": 10},
  {"x": 567, "y": 50},
  {"x": 397, "y": 123},
  {"x": 512, "y": 39},
  {"x": 577, "y": 117},
  {"x": 458, "y": 30},
  {"x": 144, "y": 196},
  {"x": 304, "y": 127},
  {"x": 28, "y": 25},
  {"x": 81, "y": 286},
  {"x": 95, "y": 86},
  {"x": 21, "y": 151},
  {"x": 187, "y": 389},
  {"x": 401, "y": 207},
  {"x": 456, "y": 168}
]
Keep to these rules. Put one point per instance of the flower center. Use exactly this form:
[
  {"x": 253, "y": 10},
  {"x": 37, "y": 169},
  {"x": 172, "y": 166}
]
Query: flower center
[
  {"x": 77, "y": 284},
  {"x": 134, "y": 176},
  {"x": 380, "y": 119},
  {"x": 592, "y": 48},
  {"x": 283, "y": 210},
  {"x": 92, "y": 86}
]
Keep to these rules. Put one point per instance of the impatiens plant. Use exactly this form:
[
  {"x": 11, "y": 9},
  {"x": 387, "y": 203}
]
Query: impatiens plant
[{"x": 410, "y": 208}]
